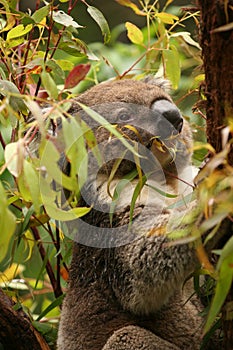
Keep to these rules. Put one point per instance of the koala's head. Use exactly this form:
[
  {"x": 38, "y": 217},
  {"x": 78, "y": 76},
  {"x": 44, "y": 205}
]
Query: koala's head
[{"x": 144, "y": 114}]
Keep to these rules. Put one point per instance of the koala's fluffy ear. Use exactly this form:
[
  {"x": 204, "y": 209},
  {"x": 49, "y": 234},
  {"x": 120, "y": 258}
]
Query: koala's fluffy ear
[{"x": 162, "y": 83}]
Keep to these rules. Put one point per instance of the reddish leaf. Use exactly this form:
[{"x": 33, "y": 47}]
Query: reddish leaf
[{"x": 77, "y": 74}]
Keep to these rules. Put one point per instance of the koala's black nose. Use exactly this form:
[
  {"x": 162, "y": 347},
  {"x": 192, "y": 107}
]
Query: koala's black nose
[{"x": 170, "y": 112}]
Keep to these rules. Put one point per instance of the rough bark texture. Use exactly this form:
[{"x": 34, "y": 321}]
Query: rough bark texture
[
  {"x": 217, "y": 49},
  {"x": 217, "y": 55},
  {"x": 16, "y": 330}
]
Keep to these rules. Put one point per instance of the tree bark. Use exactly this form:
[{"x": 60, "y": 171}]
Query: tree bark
[
  {"x": 216, "y": 38},
  {"x": 16, "y": 330},
  {"x": 217, "y": 48}
]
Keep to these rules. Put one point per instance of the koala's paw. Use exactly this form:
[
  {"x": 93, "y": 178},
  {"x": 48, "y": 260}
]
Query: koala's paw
[{"x": 136, "y": 338}]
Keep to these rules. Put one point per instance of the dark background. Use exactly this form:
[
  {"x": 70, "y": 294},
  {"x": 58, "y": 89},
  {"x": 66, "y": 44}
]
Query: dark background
[{"x": 113, "y": 12}]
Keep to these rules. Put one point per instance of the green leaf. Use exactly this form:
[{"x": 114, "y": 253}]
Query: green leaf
[
  {"x": 172, "y": 64},
  {"x": 40, "y": 14},
  {"x": 134, "y": 33},
  {"x": 18, "y": 31},
  {"x": 7, "y": 88},
  {"x": 101, "y": 21},
  {"x": 49, "y": 162},
  {"x": 165, "y": 194},
  {"x": 72, "y": 49},
  {"x": 55, "y": 68},
  {"x": 62, "y": 18},
  {"x": 48, "y": 331},
  {"x": 226, "y": 251},
  {"x": 63, "y": 215},
  {"x": 39, "y": 61},
  {"x": 136, "y": 193},
  {"x": 52, "y": 198},
  {"x": 76, "y": 150},
  {"x": 55, "y": 303},
  {"x": 222, "y": 289},
  {"x": 31, "y": 178},
  {"x": 7, "y": 224},
  {"x": 49, "y": 84}
]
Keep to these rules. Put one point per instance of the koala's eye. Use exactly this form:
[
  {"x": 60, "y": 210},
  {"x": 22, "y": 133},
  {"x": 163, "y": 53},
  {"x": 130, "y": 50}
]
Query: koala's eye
[{"x": 124, "y": 117}]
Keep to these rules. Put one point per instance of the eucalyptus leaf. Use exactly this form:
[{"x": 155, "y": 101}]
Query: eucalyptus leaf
[
  {"x": 7, "y": 224},
  {"x": 172, "y": 64},
  {"x": 49, "y": 84},
  {"x": 135, "y": 34},
  {"x": 7, "y": 88},
  {"x": 62, "y": 18},
  {"x": 223, "y": 286},
  {"x": 101, "y": 21},
  {"x": 40, "y": 14},
  {"x": 18, "y": 31}
]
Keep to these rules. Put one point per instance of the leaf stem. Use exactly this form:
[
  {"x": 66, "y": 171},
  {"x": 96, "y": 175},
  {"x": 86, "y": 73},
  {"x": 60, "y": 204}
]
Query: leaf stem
[{"x": 56, "y": 287}]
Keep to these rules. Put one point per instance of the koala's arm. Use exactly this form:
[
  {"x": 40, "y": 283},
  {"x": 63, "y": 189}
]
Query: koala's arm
[{"x": 136, "y": 338}]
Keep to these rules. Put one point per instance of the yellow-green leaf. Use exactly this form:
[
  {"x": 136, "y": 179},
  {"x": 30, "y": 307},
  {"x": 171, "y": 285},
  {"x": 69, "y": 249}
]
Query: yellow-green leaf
[
  {"x": 172, "y": 66},
  {"x": 133, "y": 6},
  {"x": 29, "y": 242},
  {"x": 135, "y": 34},
  {"x": 10, "y": 273},
  {"x": 65, "y": 64},
  {"x": 18, "y": 31},
  {"x": 166, "y": 18},
  {"x": 10, "y": 19}
]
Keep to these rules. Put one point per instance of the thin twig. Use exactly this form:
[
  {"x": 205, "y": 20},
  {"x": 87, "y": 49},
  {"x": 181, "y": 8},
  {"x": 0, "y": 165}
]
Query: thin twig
[
  {"x": 57, "y": 292},
  {"x": 2, "y": 141}
]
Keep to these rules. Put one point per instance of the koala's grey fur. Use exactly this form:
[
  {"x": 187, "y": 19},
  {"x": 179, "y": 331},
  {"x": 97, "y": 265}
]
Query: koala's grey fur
[{"x": 132, "y": 297}]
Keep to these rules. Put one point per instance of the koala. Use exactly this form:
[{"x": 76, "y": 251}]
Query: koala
[{"x": 127, "y": 285}]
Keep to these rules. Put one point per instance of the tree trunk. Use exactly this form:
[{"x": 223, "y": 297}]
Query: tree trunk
[
  {"x": 216, "y": 38},
  {"x": 217, "y": 49},
  {"x": 16, "y": 330}
]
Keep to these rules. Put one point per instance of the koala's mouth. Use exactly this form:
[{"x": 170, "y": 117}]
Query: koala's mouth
[
  {"x": 156, "y": 142},
  {"x": 162, "y": 145}
]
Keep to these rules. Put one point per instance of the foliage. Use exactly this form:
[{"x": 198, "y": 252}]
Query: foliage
[{"x": 43, "y": 60}]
